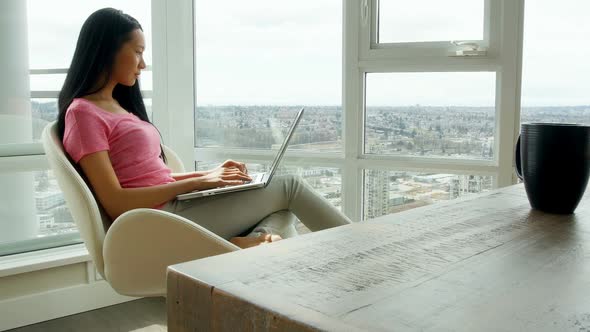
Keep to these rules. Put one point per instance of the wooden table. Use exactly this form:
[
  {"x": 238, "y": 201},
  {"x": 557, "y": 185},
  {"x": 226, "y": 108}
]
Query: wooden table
[{"x": 485, "y": 263}]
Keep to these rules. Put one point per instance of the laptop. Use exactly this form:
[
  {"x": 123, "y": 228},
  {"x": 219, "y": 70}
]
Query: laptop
[{"x": 259, "y": 180}]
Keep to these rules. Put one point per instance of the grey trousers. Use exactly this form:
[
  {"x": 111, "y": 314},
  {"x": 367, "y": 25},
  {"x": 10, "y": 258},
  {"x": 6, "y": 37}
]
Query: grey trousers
[{"x": 265, "y": 209}]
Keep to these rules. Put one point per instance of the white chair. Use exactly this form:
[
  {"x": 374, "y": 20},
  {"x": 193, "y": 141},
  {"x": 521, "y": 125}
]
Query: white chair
[{"x": 140, "y": 244}]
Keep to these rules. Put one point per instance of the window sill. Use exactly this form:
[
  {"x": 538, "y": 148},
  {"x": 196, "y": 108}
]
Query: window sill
[{"x": 43, "y": 259}]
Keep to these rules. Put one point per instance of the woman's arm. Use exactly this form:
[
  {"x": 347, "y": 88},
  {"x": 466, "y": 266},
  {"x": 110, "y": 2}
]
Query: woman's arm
[
  {"x": 188, "y": 175},
  {"x": 116, "y": 200}
]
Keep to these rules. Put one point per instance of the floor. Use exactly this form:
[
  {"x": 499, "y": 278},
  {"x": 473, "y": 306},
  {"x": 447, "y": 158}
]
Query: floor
[{"x": 144, "y": 315}]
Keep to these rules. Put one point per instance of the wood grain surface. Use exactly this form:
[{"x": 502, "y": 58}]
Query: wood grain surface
[{"x": 484, "y": 263}]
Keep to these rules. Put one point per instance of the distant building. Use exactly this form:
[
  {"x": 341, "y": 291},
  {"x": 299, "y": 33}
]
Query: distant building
[
  {"x": 376, "y": 194},
  {"x": 61, "y": 215},
  {"x": 45, "y": 222},
  {"x": 432, "y": 178},
  {"x": 467, "y": 184},
  {"x": 316, "y": 171},
  {"x": 396, "y": 199},
  {"x": 46, "y": 200}
]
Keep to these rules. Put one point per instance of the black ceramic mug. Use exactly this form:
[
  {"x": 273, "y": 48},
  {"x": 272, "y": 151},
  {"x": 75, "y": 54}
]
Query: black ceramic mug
[{"x": 553, "y": 161}]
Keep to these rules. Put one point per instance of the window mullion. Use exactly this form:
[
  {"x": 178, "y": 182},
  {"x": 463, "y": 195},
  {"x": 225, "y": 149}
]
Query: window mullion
[
  {"x": 352, "y": 104},
  {"x": 291, "y": 156},
  {"x": 363, "y": 22},
  {"x": 173, "y": 63},
  {"x": 417, "y": 166},
  {"x": 428, "y": 65},
  {"x": 509, "y": 87}
]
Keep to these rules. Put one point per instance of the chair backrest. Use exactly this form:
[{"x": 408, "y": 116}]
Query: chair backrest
[
  {"x": 89, "y": 217},
  {"x": 173, "y": 161}
]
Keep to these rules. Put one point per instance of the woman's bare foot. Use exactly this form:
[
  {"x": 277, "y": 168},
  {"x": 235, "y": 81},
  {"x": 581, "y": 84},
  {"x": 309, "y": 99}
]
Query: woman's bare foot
[{"x": 247, "y": 242}]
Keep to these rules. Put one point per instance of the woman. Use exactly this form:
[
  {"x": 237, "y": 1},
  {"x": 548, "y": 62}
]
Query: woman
[{"x": 104, "y": 127}]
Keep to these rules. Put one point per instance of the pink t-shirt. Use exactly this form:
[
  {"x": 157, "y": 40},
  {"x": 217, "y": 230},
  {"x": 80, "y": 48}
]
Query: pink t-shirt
[{"x": 133, "y": 145}]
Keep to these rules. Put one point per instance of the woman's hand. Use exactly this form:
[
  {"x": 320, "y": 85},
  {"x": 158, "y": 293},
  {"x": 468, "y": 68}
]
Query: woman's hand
[
  {"x": 221, "y": 177},
  {"x": 231, "y": 163}
]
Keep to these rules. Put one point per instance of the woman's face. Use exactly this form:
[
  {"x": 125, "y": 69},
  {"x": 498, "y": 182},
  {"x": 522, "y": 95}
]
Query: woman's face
[{"x": 129, "y": 60}]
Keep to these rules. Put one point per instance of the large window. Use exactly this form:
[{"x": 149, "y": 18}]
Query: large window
[
  {"x": 257, "y": 61},
  {"x": 52, "y": 39},
  {"x": 39, "y": 40},
  {"x": 431, "y": 95},
  {"x": 423, "y": 109},
  {"x": 555, "y": 70},
  {"x": 390, "y": 191},
  {"x": 420, "y": 114},
  {"x": 427, "y": 21}
]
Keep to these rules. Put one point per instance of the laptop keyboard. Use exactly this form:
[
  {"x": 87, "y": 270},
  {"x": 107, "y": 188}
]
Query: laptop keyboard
[{"x": 255, "y": 178}]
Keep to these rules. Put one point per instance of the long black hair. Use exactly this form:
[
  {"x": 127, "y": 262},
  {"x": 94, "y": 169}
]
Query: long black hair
[{"x": 101, "y": 37}]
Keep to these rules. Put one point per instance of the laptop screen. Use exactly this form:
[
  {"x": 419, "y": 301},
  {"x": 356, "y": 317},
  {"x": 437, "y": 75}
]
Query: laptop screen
[{"x": 283, "y": 148}]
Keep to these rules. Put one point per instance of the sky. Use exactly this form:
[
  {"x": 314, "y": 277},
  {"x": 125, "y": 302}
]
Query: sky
[{"x": 257, "y": 52}]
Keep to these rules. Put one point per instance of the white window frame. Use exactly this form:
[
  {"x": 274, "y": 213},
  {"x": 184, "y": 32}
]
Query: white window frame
[
  {"x": 503, "y": 37},
  {"x": 370, "y": 49}
]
